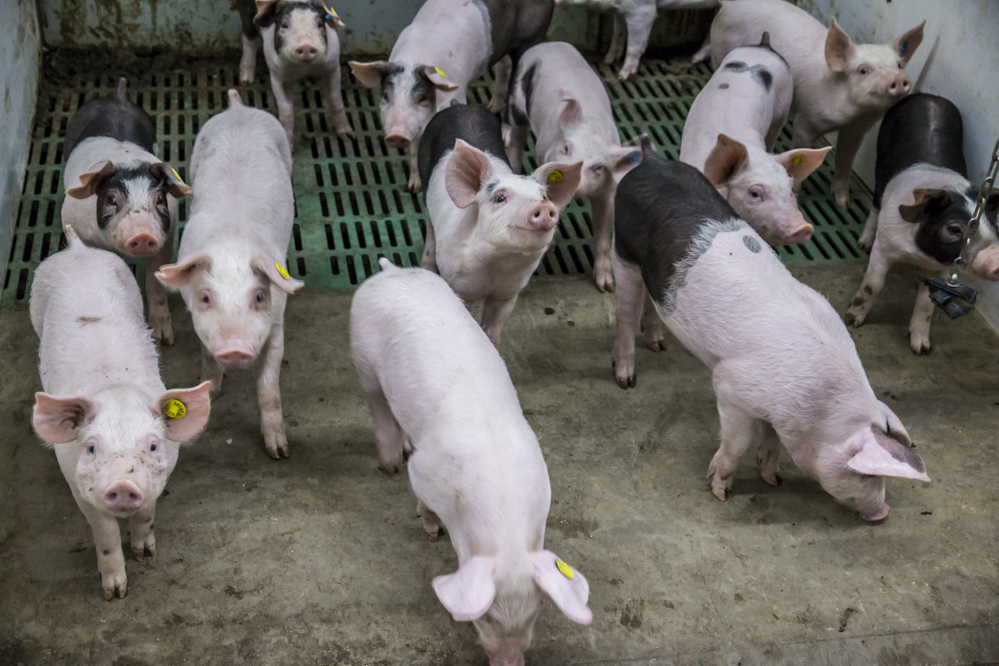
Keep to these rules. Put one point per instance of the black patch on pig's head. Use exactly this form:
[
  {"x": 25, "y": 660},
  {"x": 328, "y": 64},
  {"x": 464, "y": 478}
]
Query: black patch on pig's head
[
  {"x": 424, "y": 91},
  {"x": 280, "y": 14},
  {"x": 115, "y": 192},
  {"x": 943, "y": 217}
]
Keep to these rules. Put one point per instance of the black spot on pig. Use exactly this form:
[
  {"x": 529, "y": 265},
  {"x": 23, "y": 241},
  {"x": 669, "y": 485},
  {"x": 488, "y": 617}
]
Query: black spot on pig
[
  {"x": 516, "y": 25},
  {"x": 526, "y": 82},
  {"x": 115, "y": 117},
  {"x": 472, "y": 124},
  {"x": 944, "y": 218},
  {"x": 761, "y": 74},
  {"x": 723, "y": 86},
  {"x": 751, "y": 243},
  {"x": 88, "y": 320}
]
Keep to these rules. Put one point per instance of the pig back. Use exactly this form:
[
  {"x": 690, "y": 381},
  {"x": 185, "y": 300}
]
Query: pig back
[
  {"x": 474, "y": 125},
  {"x": 110, "y": 117},
  {"x": 921, "y": 128}
]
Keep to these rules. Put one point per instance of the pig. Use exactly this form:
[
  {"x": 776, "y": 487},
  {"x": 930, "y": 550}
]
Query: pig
[
  {"x": 923, "y": 204},
  {"x": 838, "y": 85},
  {"x": 731, "y": 129},
  {"x": 119, "y": 195},
  {"x": 436, "y": 386},
  {"x": 777, "y": 350},
  {"x": 115, "y": 428},
  {"x": 634, "y": 19},
  {"x": 558, "y": 95},
  {"x": 487, "y": 227},
  {"x": 300, "y": 40},
  {"x": 230, "y": 266},
  {"x": 449, "y": 44}
]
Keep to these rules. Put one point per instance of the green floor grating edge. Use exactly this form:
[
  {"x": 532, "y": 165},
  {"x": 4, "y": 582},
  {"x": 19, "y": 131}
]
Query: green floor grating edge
[{"x": 351, "y": 208}]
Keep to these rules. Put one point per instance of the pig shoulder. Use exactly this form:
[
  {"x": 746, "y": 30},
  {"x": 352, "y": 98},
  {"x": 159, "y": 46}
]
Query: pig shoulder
[
  {"x": 473, "y": 124},
  {"x": 516, "y": 25}
]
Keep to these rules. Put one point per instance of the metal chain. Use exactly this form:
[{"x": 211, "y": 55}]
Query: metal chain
[{"x": 984, "y": 192}]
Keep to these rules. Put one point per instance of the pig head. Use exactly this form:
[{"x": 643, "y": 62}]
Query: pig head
[{"x": 300, "y": 34}]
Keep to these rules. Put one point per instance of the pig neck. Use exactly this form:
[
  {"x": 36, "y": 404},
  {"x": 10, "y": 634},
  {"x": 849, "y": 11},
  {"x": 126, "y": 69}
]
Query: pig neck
[
  {"x": 826, "y": 100},
  {"x": 592, "y": 144}
]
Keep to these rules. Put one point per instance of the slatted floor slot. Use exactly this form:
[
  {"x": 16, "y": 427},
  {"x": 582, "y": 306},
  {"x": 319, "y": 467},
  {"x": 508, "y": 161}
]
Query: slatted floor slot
[{"x": 350, "y": 206}]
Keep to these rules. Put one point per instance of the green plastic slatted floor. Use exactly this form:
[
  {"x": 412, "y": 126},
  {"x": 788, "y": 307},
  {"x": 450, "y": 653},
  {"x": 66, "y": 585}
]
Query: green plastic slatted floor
[{"x": 351, "y": 208}]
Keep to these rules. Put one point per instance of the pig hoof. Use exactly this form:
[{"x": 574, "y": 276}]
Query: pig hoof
[
  {"x": 604, "y": 280},
  {"x": 115, "y": 583},
  {"x": 772, "y": 479},
  {"x": 921, "y": 348},
  {"x": 246, "y": 76},
  {"x": 389, "y": 468},
  {"x": 414, "y": 185},
  {"x": 842, "y": 197},
  {"x": 721, "y": 493},
  {"x": 656, "y": 345},
  {"x": 865, "y": 244},
  {"x": 345, "y": 132},
  {"x": 853, "y": 319},
  {"x": 495, "y": 105},
  {"x": 625, "y": 73}
]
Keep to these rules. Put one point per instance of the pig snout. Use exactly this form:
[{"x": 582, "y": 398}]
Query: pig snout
[
  {"x": 899, "y": 86},
  {"x": 986, "y": 263},
  {"x": 799, "y": 235},
  {"x": 397, "y": 138},
  {"x": 544, "y": 217},
  {"x": 123, "y": 496},
  {"x": 142, "y": 245},
  {"x": 880, "y": 514},
  {"x": 306, "y": 52},
  {"x": 236, "y": 356}
]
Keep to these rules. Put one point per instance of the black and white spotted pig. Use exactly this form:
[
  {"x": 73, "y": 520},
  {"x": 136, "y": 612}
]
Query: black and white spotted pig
[
  {"x": 300, "y": 40},
  {"x": 120, "y": 197},
  {"x": 923, "y": 203}
]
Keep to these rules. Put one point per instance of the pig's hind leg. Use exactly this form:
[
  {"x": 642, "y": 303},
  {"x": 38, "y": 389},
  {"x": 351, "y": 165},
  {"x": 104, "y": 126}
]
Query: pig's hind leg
[
  {"x": 603, "y": 222},
  {"x": 651, "y": 324},
  {"x": 331, "y": 91},
  {"x": 630, "y": 296},
  {"x": 736, "y": 437},
  {"x": 874, "y": 282},
  {"x": 495, "y": 312},
  {"x": 768, "y": 455},
  {"x": 501, "y": 88},
  {"x": 432, "y": 524},
  {"x": 866, "y": 240},
  {"x": 619, "y": 36},
  {"x": 429, "y": 259},
  {"x": 639, "y": 20},
  {"x": 389, "y": 436}
]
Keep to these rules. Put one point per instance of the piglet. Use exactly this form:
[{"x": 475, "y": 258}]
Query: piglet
[
  {"x": 115, "y": 428},
  {"x": 230, "y": 267},
  {"x": 558, "y": 95},
  {"x": 838, "y": 85},
  {"x": 487, "y": 228},
  {"x": 730, "y": 130},
  {"x": 120, "y": 196},
  {"x": 449, "y": 44},
  {"x": 923, "y": 204},
  {"x": 435, "y": 384},
  {"x": 300, "y": 40},
  {"x": 777, "y": 351}
]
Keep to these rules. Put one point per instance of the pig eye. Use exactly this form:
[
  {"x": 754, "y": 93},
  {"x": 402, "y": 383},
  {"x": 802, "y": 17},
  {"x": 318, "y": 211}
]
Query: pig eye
[
  {"x": 160, "y": 199},
  {"x": 284, "y": 24},
  {"x": 112, "y": 200},
  {"x": 422, "y": 97},
  {"x": 863, "y": 71},
  {"x": 756, "y": 194},
  {"x": 90, "y": 449},
  {"x": 260, "y": 298},
  {"x": 954, "y": 229},
  {"x": 499, "y": 198},
  {"x": 152, "y": 447},
  {"x": 205, "y": 299},
  {"x": 319, "y": 24}
]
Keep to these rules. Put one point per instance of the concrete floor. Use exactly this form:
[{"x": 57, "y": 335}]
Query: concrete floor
[{"x": 320, "y": 559}]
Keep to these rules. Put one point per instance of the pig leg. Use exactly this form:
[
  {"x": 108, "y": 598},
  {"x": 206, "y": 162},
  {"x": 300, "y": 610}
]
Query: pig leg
[
  {"x": 518, "y": 142},
  {"x": 156, "y": 294},
  {"x": 866, "y": 240},
  {"x": 140, "y": 529},
  {"x": 269, "y": 392},
  {"x": 768, "y": 455},
  {"x": 501, "y": 88},
  {"x": 389, "y": 437},
  {"x": 639, "y": 20},
  {"x": 736, "y": 436},
  {"x": 651, "y": 324},
  {"x": 603, "y": 222},
  {"x": 874, "y": 282},
  {"x": 331, "y": 91},
  {"x": 248, "y": 63},
  {"x": 414, "y": 184},
  {"x": 704, "y": 53},
  {"x": 110, "y": 559},
  {"x": 429, "y": 261},
  {"x": 211, "y": 371},
  {"x": 432, "y": 524},
  {"x": 619, "y": 35},
  {"x": 494, "y": 314},
  {"x": 283, "y": 93},
  {"x": 847, "y": 145},
  {"x": 803, "y": 135},
  {"x": 630, "y": 294},
  {"x": 922, "y": 315}
]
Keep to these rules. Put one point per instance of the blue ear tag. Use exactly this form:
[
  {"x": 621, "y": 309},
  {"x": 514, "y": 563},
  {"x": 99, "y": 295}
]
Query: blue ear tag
[
  {"x": 329, "y": 17},
  {"x": 632, "y": 158}
]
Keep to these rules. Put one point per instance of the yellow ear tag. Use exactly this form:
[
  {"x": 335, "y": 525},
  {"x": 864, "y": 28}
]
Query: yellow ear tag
[
  {"x": 177, "y": 176},
  {"x": 565, "y": 569},
  {"x": 441, "y": 73},
  {"x": 175, "y": 409},
  {"x": 797, "y": 160},
  {"x": 282, "y": 270},
  {"x": 332, "y": 11},
  {"x": 554, "y": 177}
]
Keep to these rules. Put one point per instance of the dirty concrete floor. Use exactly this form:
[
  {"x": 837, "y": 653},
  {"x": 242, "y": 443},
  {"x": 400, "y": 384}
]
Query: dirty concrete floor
[{"x": 320, "y": 559}]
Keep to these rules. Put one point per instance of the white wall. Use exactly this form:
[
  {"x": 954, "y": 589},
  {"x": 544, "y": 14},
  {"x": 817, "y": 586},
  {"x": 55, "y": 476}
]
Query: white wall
[
  {"x": 20, "y": 52},
  {"x": 958, "y": 59}
]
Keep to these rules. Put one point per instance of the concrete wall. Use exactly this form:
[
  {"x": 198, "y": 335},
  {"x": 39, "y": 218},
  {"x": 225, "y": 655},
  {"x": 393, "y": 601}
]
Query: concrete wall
[
  {"x": 958, "y": 59},
  {"x": 20, "y": 54}
]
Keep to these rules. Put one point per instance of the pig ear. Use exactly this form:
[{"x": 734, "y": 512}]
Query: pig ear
[
  {"x": 331, "y": 17},
  {"x": 438, "y": 78},
  {"x": 90, "y": 180},
  {"x": 175, "y": 185},
  {"x": 802, "y": 161},
  {"x": 839, "y": 48},
  {"x": 187, "y": 419},
  {"x": 561, "y": 181},
  {"x": 927, "y": 202},
  {"x": 625, "y": 159},
  {"x": 907, "y": 44},
  {"x": 566, "y": 586},
  {"x": 727, "y": 158},
  {"x": 179, "y": 275},
  {"x": 572, "y": 115},
  {"x": 277, "y": 274},
  {"x": 266, "y": 13},
  {"x": 56, "y": 420},
  {"x": 469, "y": 592},
  {"x": 467, "y": 169},
  {"x": 896, "y": 430},
  {"x": 880, "y": 455},
  {"x": 369, "y": 73}
]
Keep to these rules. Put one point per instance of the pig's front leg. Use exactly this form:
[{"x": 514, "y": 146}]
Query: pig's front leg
[
  {"x": 283, "y": 93},
  {"x": 331, "y": 90},
  {"x": 803, "y": 135},
  {"x": 639, "y": 20},
  {"x": 494, "y": 314},
  {"x": 619, "y": 36},
  {"x": 630, "y": 295},
  {"x": 603, "y": 222},
  {"x": 501, "y": 88},
  {"x": 248, "y": 63},
  {"x": 736, "y": 436},
  {"x": 651, "y": 324},
  {"x": 269, "y": 394},
  {"x": 211, "y": 371},
  {"x": 140, "y": 529},
  {"x": 874, "y": 282},
  {"x": 768, "y": 455},
  {"x": 156, "y": 294},
  {"x": 110, "y": 559},
  {"x": 432, "y": 524},
  {"x": 866, "y": 240},
  {"x": 847, "y": 145},
  {"x": 414, "y": 184},
  {"x": 515, "y": 152},
  {"x": 429, "y": 261},
  {"x": 922, "y": 315}
]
